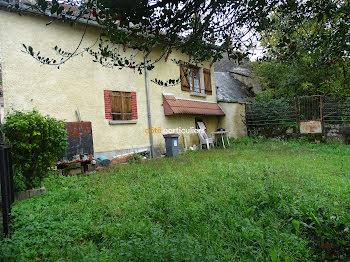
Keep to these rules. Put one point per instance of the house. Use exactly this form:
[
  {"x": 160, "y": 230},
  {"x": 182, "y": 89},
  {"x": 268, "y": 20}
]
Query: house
[{"x": 114, "y": 101}]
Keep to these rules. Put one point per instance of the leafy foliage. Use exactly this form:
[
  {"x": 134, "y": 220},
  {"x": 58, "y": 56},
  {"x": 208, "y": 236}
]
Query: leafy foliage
[
  {"x": 299, "y": 77},
  {"x": 325, "y": 234},
  {"x": 144, "y": 25},
  {"x": 37, "y": 142},
  {"x": 204, "y": 30},
  {"x": 308, "y": 50},
  {"x": 317, "y": 30},
  {"x": 135, "y": 158}
]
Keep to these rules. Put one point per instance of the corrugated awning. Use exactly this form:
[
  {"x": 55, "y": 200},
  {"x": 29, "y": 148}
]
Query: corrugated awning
[{"x": 178, "y": 106}]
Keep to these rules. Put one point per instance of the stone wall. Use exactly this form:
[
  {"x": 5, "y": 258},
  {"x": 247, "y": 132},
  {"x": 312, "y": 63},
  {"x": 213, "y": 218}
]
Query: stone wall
[
  {"x": 275, "y": 132},
  {"x": 251, "y": 81},
  {"x": 332, "y": 133},
  {"x": 337, "y": 133}
]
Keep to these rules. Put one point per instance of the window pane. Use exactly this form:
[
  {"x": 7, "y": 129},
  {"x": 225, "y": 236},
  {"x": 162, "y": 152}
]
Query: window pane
[
  {"x": 190, "y": 78},
  {"x": 196, "y": 81}
]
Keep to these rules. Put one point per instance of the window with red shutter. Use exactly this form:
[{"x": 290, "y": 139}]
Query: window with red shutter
[
  {"x": 190, "y": 78},
  {"x": 120, "y": 105}
]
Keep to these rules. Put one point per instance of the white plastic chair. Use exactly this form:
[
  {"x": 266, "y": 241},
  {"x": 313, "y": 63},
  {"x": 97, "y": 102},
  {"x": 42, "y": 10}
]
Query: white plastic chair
[
  {"x": 202, "y": 126},
  {"x": 204, "y": 139}
]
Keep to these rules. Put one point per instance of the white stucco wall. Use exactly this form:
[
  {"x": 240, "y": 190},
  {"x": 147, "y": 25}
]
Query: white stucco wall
[
  {"x": 79, "y": 84},
  {"x": 234, "y": 119}
]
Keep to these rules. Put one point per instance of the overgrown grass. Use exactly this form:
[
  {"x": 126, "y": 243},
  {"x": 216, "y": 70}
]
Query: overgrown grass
[{"x": 238, "y": 204}]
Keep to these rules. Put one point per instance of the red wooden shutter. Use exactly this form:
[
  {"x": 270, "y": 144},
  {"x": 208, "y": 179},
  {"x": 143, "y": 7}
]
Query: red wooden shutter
[
  {"x": 127, "y": 110},
  {"x": 184, "y": 74},
  {"x": 207, "y": 81},
  {"x": 120, "y": 105},
  {"x": 116, "y": 105}
]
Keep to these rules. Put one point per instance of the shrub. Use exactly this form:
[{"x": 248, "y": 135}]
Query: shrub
[{"x": 37, "y": 142}]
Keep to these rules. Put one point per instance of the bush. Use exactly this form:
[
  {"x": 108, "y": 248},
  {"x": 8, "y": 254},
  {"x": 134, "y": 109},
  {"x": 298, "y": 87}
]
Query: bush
[{"x": 37, "y": 142}]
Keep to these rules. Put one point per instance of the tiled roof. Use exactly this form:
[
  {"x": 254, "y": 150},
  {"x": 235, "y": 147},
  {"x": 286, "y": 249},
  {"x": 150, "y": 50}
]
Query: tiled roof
[
  {"x": 76, "y": 11},
  {"x": 179, "y": 106}
]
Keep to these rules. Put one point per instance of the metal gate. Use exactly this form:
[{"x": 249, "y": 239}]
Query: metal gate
[
  {"x": 310, "y": 114},
  {"x": 6, "y": 181}
]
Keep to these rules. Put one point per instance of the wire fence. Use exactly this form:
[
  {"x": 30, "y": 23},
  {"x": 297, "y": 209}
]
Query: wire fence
[
  {"x": 271, "y": 112},
  {"x": 336, "y": 110},
  {"x": 288, "y": 112}
]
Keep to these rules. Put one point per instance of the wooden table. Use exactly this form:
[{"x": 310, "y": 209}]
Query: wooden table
[{"x": 222, "y": 134}]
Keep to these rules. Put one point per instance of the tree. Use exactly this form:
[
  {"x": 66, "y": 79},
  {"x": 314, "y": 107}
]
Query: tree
[
  {"x": 201, "y": 29},
  {"x": 308, "y": 50}
]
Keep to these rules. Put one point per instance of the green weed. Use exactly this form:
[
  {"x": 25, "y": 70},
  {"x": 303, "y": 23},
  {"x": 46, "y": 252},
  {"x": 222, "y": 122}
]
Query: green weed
[{"x": 251, "y": 202}]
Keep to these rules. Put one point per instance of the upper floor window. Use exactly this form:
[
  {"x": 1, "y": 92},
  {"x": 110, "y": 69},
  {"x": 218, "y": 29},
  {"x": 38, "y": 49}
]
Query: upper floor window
[{"x": 195, "y": 79}]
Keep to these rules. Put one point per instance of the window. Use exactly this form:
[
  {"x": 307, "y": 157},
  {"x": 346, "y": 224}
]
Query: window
[
  {"x": 191, "y": 79},
  {"x": 120, "y": 105},
  {"x": 194, "y": 80}
]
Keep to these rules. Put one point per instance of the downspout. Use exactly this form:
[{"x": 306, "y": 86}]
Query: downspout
[{"x": 149, "y": 108}]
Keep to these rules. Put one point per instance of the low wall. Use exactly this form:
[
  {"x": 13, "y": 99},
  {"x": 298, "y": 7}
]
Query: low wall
[
  {"x": 275, "y": 132},
  {"x": 331, "y": 133},
  {"x": 23, "y": 195},
  {"x": 337, "y": 133}
]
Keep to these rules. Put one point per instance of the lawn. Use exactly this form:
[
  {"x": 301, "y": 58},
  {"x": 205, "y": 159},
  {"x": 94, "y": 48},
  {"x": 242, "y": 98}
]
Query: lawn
[{"x": 257, "y": 201}]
